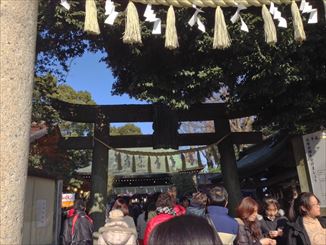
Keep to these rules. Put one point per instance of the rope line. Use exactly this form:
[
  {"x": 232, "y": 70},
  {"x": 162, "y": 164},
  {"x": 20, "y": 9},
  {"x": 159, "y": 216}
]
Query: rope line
[{"x": 170, "y": 153}]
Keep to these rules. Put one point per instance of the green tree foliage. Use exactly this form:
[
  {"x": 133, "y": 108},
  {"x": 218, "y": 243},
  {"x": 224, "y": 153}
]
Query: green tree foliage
[
  {"x": 283, "y": 85},
  {"x": 127, "y": 129},
  {"x": 48, "y": 156}
]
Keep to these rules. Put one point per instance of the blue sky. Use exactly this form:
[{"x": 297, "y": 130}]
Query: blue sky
[{"x": 87, "y": 73}]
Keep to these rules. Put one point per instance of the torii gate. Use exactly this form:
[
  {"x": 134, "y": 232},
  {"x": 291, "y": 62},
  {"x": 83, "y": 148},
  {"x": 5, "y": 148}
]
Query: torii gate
[{"x": 165, "y": 125}]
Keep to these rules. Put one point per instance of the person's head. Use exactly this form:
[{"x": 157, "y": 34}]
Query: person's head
[
  {"x": 218, "y": 196},
  {"x": 185, "y": 230},
  {"x": 199, "y": 198},
  {"x": 173, "y": 191},
  {"x": 271, "y": 207},
  {"x": 306, "y": 204},
  {"x": 79, "y": 205},
  {"x": 185, "y": 202},
  {"x": 121, "y": 204},
  {"x": 248, "y": 210},
  {"x": 164, "y": 200},
  {"x": 148, "y": 208}
]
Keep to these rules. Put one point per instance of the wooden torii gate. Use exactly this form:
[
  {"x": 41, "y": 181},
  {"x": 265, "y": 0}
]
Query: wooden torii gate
[{"x": 165, "y": 126}]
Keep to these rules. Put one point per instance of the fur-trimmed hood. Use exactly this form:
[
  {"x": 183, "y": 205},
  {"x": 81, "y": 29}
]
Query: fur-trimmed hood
[{"x": 117, "y": 233}]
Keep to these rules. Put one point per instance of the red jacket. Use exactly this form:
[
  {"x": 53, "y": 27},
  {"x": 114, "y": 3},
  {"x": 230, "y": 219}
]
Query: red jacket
[
  {"x": 158, "y": 219},
  {"x": 179, "y": 210}
]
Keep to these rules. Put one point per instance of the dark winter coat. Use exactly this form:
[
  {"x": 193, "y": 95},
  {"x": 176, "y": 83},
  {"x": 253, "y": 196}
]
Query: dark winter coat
[
  {"x": 244, "y": 235},
  {"x": 83, "y": 230},
  {"x": 296, "y": 233},
  {"x": 268, "y": 225},
  {"x": 226, "y": 226}
]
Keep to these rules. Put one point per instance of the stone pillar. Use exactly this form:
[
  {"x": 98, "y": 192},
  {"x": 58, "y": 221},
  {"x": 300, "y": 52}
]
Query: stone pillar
[
  {"x": 18, "y": 40},
  {"x": 99, "y": 172},
  {"x": 228, "y": 165}
]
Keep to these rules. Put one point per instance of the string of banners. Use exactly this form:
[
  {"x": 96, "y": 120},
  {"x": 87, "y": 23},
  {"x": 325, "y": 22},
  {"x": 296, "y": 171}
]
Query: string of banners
[
  {"x": 221, "y": 39},
  {"x": 134, "y": 161}
]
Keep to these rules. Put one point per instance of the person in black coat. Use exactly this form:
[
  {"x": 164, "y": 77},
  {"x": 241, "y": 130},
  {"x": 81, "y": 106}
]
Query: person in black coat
[
  {"x": 78, "y": 229},
  {"x": 306, "y": 228},
  {"x": 272, "y": 225}
]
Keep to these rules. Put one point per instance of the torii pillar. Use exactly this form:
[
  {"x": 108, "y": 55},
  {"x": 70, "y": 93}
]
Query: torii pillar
[{"x": 18, "y": 40}]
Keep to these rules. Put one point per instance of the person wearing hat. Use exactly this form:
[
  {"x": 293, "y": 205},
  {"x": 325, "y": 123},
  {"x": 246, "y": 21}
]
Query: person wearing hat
[{"x": 117, "y": 231}]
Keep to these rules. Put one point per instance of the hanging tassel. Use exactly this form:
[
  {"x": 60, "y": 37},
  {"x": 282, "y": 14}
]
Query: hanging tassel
[
  {"x": 132, "y": 29},
  {"x": 91, "y": 24},
  {"x": 200, "y": 164},
  {"x": 183, "y": 159},
  {"x": 149, "y": 165},
  {"x": 221, "y": 35},
  {"x": 171, "y": 36},
  {"x": 269, "y": 26},
  {"x": 119, "y": 161},
  {"x": 167, "y": 167},
  {"x": 133, "y": 166},
  {"x": 299, "y": 34}
]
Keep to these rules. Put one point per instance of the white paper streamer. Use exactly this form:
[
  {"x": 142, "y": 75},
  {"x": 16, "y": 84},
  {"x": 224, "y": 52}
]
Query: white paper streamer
[
  {"x": 244, "y": 26},
  {"x": 237, "y": 16},
  {"x": 302, "y": 4},
  {"x": 151, "y": 17},
  {"x": 306, "y": 8},
  {"x": 110, "y": 11},
  {"x": 313, "y": 17},
  {"x": 278, "y": 16},
  {"x": 65, "y": 4},
  {"x": 195, "y": 20}
]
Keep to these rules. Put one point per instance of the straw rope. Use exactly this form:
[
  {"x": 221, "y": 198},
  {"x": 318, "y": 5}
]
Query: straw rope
[
  {"x": 169, "y": 153},
  {"x": 211, "y": 3}
]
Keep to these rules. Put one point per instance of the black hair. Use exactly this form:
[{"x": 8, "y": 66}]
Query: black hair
[
  {"x": 185, "y": 230},
  {"x": 303, "y": 200},
  {"x": 218, "y": 196},
  {"x": 164, "y": 200},
  {"x": 79, "y": 205},
  {"x": 149, "y": 207},
  {"x": 270, "y": 201}
]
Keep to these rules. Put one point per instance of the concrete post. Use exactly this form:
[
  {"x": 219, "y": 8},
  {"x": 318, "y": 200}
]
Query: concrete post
[{"x": 18, "y": 40}]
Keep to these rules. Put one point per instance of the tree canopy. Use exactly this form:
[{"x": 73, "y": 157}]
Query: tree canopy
[{"x": 283, "y": 85}]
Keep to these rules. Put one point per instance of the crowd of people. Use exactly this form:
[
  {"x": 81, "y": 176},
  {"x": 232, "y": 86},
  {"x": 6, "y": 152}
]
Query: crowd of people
[{"x": 202, "y": 219}]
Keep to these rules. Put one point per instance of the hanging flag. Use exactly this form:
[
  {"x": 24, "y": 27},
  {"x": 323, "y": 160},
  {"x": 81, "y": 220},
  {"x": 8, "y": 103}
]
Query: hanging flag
[
  {"x": 118, "y": 159},
  {"x": 167, "y": 167},
  {"x": 215, "y": 155},
  {"x": 200, "y": 164},
  {"x": 133, "y": 167},
  {"x": 183, "y": 159},
  {"x": 149, "y": 165}
]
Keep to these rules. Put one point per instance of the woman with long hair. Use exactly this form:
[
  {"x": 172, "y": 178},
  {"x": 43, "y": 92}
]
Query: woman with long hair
[
  {"x": 249, "y": 228},
  {"x": 307, "y": 228},
  {"x": 185, "y": 230}
]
